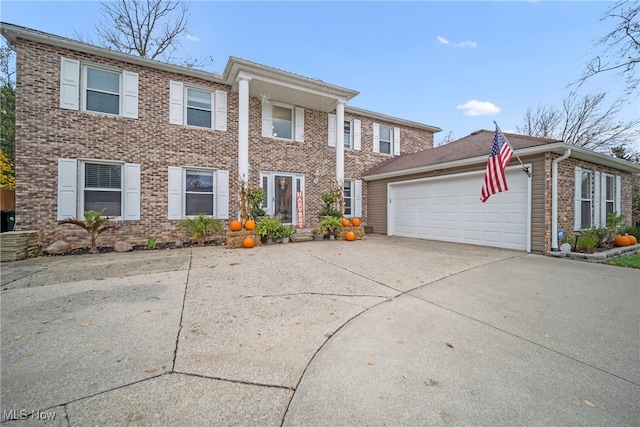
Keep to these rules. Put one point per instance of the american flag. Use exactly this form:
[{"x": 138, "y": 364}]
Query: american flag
[{"x": 499, "y": 157}]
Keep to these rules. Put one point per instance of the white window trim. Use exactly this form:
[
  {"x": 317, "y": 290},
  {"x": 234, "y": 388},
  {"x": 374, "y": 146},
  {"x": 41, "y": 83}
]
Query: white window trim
[
  {"x": 178, "y": 105},
  {"x": 577, "y": 220},
  {"x": 176, "y": 202},
  {"x": 603, "y": 196},
  {"x": 394, "y": 146},
  {"x": 71, "y": 188}
]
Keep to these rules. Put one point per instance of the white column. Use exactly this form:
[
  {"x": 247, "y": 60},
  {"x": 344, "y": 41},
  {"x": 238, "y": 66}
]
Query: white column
[
  {"x": 340, "y": 142},
  {"x": 243, "y": 127}
]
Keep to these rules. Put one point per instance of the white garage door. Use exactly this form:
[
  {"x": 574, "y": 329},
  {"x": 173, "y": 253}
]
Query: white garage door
[{"x": 449, "y": 208}]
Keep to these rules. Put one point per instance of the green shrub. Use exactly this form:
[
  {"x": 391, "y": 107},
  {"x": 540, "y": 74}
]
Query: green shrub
[
  {"x": 94, "y": 224},
  {"x": 200, "y": 227},
  {"x": 589, "y": 241}
]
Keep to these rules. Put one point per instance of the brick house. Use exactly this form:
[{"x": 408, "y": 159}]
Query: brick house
[
  {"x": 435, "y": 194},
  {"x": 154, "y": 143}
]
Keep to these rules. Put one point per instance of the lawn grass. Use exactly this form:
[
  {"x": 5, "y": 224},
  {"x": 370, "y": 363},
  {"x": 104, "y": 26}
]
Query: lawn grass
[{"x": 632, "y": 261}]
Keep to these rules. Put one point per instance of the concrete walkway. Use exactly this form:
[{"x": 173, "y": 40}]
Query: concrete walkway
[{"x": 385, "y": 331}]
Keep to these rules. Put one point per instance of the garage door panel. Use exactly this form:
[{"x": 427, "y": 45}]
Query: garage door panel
[{"x": 449, "y": 208}]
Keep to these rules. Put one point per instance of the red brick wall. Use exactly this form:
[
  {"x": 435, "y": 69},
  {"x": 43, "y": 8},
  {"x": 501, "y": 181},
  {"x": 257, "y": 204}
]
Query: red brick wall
[{"x": 46, "y": 133}]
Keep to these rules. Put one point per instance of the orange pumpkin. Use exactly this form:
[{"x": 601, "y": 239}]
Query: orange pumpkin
[
  {"x": 632, "y": 239},
  {"x": 345, "y": 222},
  {"x": 356, "y": 222},
  {"x": 350, "y": 236},
  {"x": 248, "y": 242},
  {"x": 622, "y": 241},
  {"x": 235, "y": 225},
  {"x": 250, "y": 225}
]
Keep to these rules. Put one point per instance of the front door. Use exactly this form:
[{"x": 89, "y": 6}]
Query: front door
[{"x": 282, "y": 193}]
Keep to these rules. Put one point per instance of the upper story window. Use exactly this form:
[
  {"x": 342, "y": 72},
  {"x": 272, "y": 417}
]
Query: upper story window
[
  {"x": 98, "y": 89},
  {"x": 351, "y": 133},
  {"x": 347, "y": 135},
  {"x": 385, "y": 139},
  {"x": 199, "y": 109},
  {"x": 197, "y": 106},
  {"x": 102, "y": 90},
  {"x": 282, "y": 122}
]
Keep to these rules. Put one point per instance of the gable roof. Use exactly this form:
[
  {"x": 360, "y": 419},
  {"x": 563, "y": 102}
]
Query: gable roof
[{"x": 474, "y": 149}]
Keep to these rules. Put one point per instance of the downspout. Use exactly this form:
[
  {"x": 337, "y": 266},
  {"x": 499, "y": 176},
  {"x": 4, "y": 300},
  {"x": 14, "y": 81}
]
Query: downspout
[{"x": 554, "y": 199}]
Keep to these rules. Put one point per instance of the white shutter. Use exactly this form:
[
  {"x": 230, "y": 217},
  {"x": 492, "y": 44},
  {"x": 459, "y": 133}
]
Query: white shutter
[
  {"x": 176, "y": 102},
  {"x": 222, "y": 195},
  {"x": 396, "y": 141},
  {"x": 67, "y": 188},
  {"x": 376, "y": 138},
  {"x": 267, "y": 125},
  {"x": 175, "y": 193},
  {"x": 357, "y": 206},
  {"x": 332, "y": 130},
  {"x": 69, "y": 83},
  {"x": 130, "y": 91},
  {"x": 357, "y": 134},
  {"x": 618, "y": 207},
  {"x": 598, "y": 197},
  {"x": 131, "y": 191},
  {"x": 577, "y": 198},
  {"x": 221, "y": 111},
  {"x": 299, "y": 127}
]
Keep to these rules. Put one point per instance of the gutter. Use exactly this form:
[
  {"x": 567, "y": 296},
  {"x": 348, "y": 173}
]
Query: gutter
[{"x": 554, "y": 200}]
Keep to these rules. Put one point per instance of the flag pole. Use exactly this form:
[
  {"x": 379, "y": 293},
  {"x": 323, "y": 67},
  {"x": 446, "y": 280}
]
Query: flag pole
[{"x": 524, "y": 168}]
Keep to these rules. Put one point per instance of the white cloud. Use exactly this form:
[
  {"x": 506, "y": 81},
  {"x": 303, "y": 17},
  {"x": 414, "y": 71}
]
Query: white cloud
[
  {"x": 468, "y": 43},
  {"x": 479, "y": 108},
  {"x": 192, "y": 38}
]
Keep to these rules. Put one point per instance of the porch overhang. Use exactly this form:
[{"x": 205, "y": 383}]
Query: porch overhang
[{"x": 275, "y": 85}]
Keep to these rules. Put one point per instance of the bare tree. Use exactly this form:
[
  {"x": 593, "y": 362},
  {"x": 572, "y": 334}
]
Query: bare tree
[
  {"x": 449, "y": 137},
  {"x": 621, "y": 46},
  {"x": 583, "y": 121},
  {"x": 152, "y": 29}
]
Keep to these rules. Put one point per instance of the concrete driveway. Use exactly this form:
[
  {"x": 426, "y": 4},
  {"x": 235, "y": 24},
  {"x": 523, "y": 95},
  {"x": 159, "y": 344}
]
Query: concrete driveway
[{"x": 385, "y": 331}]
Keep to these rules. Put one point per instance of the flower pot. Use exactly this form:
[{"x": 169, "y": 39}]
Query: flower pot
[
  {"x": 332, "y": 237},
  {"x": 285, "y": 240},
  {"x": 318, "y": 237},
  {"x": 269, "y": 240}
]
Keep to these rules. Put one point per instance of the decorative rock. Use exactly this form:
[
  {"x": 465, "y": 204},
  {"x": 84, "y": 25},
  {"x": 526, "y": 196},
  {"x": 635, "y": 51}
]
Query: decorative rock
[
  {"x": 122, "y": 247},
  {"x": 178, "y": 244},
  {"x": 58, "y": 247}
]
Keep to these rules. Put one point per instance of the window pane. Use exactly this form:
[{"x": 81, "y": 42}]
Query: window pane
[
  {"x": 385, "y": 134},
  {"x": 347, "y": 197},
  {"x": 609, "y": 208},
  {"x": 103, "y": 102},
  {"x": 347, "y": 134},
  {"x": 103, "y": 80},
  {"x": 98, "y": 200},
  {"x": 585, "y": 214},
  {"x": 102, "y": 176},
  {"x": 385, "y": 147},
  {"x": 586, "y": 185},
  {"x": 610, "y": 188},
  {"x": 199, "y": 181},
  {"x": 199, "y": 99},
  {"x": 282, "y": 122},
  {"x": 200, "y": 118},
  {"x": 199, "y": 203}
]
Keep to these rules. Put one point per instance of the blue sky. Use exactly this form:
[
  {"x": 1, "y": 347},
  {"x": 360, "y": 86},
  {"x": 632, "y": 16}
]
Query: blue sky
[{"x": 455, "y": 65}]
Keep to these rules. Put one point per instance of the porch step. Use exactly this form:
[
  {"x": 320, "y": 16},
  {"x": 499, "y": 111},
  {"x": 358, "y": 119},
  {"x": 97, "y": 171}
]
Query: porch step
[{"x": 302, "y": 235}]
